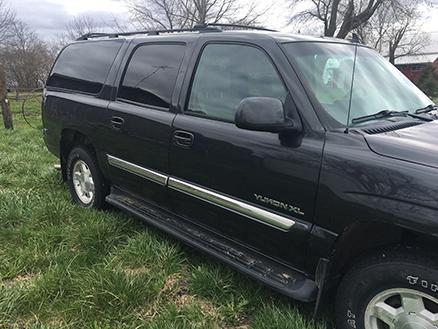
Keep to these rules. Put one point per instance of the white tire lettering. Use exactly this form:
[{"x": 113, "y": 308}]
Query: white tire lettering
[
  {"x": 352, "y": 323},
  {"x": 412, "y": 279},
  {"x": 351, "y": 319}
]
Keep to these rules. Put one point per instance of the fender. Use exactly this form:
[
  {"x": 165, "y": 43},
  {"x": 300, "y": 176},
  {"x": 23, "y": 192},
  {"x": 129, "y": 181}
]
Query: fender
[{"x": 402, "y": 213}]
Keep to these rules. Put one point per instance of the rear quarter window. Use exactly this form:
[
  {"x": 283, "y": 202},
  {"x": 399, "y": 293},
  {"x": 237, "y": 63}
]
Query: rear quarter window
[
  {"x": 84, "y": 66},
  {"x": 151, "y": 74}
]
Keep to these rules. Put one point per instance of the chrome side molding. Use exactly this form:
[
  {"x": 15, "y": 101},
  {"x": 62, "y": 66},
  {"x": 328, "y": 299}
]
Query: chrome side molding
[
  {"x": 206, "y": 195},
  {"x": 231, "y": 204},
  {"x": 137, "y": 170}
]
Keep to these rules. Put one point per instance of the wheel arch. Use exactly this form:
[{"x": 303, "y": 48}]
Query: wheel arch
[
  {"x": 365, "y": 238},
  {"x": 69, "y": 139}
]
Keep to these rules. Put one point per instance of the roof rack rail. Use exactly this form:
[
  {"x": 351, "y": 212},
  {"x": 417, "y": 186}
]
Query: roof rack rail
[
  {"x": 235, "y": 26},
  {"x": 213, "y": 27}
]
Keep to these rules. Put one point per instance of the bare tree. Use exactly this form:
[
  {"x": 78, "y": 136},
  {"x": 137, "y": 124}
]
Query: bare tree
[
  {"x": 338, "y": 17},
  {"x": 7, "y": 18},
  {"x": 395, "y": 30},
  {"x": 215, "y": 11},
  {"x": 171, "y": 14},
  {"x": 28, "y": 57},
  {"x": 162, "y": 14},
  {"x": 74, "y": 29},
  {"x": 81, "y": 25}
]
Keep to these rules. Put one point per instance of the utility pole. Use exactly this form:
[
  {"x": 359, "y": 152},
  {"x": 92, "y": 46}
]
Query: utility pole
[{"x": 4, "y": 102}]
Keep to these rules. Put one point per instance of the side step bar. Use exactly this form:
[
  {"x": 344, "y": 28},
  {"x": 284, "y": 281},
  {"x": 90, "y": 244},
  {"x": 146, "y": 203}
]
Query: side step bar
[{"x": 279, "y": 277}]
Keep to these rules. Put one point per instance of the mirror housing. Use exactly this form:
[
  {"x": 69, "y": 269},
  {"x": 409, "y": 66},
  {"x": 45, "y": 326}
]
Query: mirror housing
[{"x": 263, "y": 114}]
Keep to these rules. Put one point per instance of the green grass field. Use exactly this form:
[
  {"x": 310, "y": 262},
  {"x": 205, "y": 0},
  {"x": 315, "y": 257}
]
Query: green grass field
[{"x": 66, "y": 267}]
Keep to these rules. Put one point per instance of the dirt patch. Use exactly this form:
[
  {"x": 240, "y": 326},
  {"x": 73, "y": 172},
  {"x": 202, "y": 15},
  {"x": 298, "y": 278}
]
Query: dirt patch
[
  {"x": 136, "y": 271},
  {"x": 19, "y": 279},
  {"x": 174, "y": 289},
  {"x": 242, "y": 322},
  {"x": 175, "y": 285},
  {"x": 184, "y": 301}
]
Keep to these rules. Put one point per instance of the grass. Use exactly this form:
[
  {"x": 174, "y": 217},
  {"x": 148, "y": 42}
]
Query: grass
[{"x": 66, "y": 267}]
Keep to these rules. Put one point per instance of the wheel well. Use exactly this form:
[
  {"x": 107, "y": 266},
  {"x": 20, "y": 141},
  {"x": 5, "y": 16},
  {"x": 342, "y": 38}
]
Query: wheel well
[
  {"x": 363, "y": 239},
  {"x": 69, "y": 139}
]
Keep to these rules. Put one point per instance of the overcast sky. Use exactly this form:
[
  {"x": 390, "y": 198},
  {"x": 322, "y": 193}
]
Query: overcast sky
[{"x": 48, "y": 17}]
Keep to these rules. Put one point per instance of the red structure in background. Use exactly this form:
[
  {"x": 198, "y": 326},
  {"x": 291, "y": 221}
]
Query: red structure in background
[
  {"x": 413, "y": 65},
  {"x": 413, "y": 71}
]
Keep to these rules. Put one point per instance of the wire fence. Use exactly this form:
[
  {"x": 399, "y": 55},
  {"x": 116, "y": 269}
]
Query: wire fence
[
  {"x": 33, "y": 95},
  {"x": 26, "y": 106}
]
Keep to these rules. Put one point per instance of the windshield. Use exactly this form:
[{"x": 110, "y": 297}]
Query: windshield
[{"x": 327, "y": 68}]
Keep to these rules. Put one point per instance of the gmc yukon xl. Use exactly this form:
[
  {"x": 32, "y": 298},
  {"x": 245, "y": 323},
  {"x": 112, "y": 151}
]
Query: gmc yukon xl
[{"x": 309, "y": 164}]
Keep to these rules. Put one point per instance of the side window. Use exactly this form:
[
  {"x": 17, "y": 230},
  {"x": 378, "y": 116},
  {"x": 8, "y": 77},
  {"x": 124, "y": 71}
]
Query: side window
[
  {"x": 228, "y": 73},
  {"x": 151, "y": 74},
  {"x": 84, "y": 66}
]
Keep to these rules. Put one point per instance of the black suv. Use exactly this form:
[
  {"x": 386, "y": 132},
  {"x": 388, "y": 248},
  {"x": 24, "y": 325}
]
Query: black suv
[{"x": 310, "y": 164}]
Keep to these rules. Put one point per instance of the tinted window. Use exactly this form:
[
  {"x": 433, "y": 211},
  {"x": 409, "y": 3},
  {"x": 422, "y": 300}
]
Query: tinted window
[
  {"x": 151, "y": 74},
  {"x": 84, "y": 66},
  {"x": 228, "y": 73}
]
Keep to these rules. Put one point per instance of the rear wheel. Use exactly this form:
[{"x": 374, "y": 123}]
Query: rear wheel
[
  {"x": 397, "y": 290},
  {"x": 86, "y": 183}
]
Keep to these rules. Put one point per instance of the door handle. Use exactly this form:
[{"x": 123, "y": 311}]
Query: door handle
[
  {"x": 183, "y": 138},
  {"x": 117, "y": 123}
]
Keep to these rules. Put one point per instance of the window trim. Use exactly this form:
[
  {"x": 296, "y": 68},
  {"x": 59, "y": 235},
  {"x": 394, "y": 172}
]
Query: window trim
[
  {"x": 128, "y": 61},
  {"x": 185, "y": 110},
  {"x": 74, "y": 91}
]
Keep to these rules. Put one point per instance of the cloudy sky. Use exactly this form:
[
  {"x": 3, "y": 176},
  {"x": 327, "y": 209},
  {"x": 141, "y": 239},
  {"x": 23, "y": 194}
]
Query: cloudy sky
[{"x": 48, "y": 17}]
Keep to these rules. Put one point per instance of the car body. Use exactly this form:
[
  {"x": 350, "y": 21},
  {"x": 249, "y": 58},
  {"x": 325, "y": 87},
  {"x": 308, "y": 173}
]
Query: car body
[{"x": 294, "y": 208}]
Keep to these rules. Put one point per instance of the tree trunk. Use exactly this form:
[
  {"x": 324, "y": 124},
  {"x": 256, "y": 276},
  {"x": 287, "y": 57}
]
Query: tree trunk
[
  {"x": 4, "y": 103},
  {"x": 332, "y": 22},
  {"x": 7, "y": 114},
  {"x": 391, "y": 53}
]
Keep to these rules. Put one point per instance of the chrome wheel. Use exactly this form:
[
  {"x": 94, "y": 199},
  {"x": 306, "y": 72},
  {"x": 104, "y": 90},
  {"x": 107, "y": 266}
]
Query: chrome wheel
[
  {"x": 83, "y": 182},
  {"x": 402, "y": 309}
]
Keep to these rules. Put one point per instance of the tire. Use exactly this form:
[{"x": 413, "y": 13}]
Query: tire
[
  {"x": 403, "y": 282},
  {"x": 82, "y": 157}
]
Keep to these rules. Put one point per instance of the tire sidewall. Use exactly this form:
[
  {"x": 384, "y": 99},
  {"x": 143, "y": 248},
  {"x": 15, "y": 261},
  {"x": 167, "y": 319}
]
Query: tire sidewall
[
  {"x": 363, "y": 284},
  {"x": 80, "y": 153}
]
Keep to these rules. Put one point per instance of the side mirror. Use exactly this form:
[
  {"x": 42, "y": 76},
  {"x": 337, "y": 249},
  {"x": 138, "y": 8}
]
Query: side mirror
[{"x": 262, "y": 114}]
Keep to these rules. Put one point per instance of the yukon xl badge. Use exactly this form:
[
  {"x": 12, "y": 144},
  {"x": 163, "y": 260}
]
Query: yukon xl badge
[{"x": 278, "y": 204}]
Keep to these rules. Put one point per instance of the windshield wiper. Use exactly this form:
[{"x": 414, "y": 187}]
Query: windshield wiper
[
  {"x": 427, "y": 109},
  {"x": 380, "y": 115}
]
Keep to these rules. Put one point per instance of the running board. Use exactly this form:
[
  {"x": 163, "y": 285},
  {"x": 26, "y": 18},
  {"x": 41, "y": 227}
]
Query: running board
[{"x": 278, "y": 276}]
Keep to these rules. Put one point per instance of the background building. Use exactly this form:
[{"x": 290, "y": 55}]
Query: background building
[{"x": 413, "y": 65}]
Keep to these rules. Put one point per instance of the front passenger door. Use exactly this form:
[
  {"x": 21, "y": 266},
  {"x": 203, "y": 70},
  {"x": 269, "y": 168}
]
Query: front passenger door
[{"x": 252, "y": 187}]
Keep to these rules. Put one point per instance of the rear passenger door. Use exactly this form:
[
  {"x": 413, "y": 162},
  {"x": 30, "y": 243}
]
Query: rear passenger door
[
  {"x": 140, "y": 119},
  {"x": 257, "y": 188}
]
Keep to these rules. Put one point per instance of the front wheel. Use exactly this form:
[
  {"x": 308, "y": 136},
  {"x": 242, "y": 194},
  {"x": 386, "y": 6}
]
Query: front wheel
[
  {"x": 86, "y": 183},
  {"x": 397, "y": 290}
]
